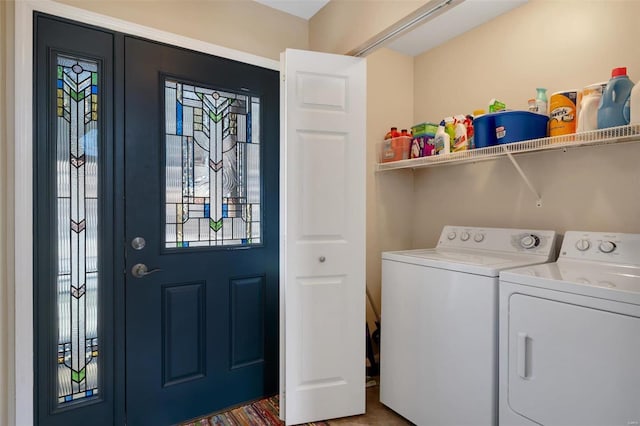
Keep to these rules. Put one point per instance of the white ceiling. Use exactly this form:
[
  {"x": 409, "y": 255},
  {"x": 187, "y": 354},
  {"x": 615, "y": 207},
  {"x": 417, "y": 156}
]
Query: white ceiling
[
  {"x": 301, "y": 8},
  {"x": 457, "y": 18}
]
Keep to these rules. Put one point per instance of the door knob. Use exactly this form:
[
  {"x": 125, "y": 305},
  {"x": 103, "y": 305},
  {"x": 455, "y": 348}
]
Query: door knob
[
  {"x": 322, "y": 259},
  {"x": 140, "y": 270}
]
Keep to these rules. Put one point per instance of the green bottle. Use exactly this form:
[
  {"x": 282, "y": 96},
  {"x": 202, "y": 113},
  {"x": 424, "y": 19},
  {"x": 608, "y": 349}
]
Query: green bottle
[
  {"x": 450, "y": 129},
  {"x": 541, "y": 101}
]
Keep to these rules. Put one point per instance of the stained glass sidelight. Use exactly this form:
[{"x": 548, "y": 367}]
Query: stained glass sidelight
[
  {"x": 77, "y": 232},
  {"x": 212, "y": 173}
]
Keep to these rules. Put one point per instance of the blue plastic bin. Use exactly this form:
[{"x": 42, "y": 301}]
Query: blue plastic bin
[
  {"x": 484, "y": 131},
  {"x": 507, "y": 127},
  {"x": 516, "y": 126}
]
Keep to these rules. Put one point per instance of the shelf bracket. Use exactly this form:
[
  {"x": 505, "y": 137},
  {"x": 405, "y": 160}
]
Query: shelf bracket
[{"x": 525, "y": 178}]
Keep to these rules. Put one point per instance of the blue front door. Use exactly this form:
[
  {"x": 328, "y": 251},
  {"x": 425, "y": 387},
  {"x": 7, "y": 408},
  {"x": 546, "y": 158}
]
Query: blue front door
[{"x": 201, "y": 191}]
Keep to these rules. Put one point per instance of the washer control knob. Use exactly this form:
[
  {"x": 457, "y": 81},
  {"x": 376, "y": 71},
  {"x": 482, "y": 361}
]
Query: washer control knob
[
  {"x": 530, "y": 241},
  {"x": 607, "y": 246},
  {"x": 451, "y": 235},
  {"x": 583, "y": 244},
  {"x": 478, "y": 238},
  {"x": 465, "y": 236}
]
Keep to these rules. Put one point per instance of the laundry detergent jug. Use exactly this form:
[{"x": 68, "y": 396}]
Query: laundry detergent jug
[
  {"x": 634, "y": 105},
  {"x": 614, "y": 98}
]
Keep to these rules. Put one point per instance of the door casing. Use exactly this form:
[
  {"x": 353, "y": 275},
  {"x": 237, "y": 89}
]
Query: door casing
[{"x": 23, "y": 325}]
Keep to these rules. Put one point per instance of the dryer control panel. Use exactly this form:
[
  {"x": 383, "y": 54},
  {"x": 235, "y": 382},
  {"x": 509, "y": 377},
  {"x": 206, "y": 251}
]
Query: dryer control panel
[
  {"x": 609, "y": 247},
  {"x": 499, "y": 239}
]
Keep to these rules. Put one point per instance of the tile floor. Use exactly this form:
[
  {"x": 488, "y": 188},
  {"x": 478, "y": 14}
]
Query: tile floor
[{"x": 377, "y": 414}]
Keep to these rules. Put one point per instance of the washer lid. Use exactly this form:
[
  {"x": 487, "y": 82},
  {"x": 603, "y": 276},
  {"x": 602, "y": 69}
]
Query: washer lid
[
  {"x": 480, "y": 262},
  {"x": 605, "y": 281}
]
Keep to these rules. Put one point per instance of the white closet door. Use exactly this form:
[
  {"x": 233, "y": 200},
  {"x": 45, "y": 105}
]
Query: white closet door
[{"x": 322, "y": 247}]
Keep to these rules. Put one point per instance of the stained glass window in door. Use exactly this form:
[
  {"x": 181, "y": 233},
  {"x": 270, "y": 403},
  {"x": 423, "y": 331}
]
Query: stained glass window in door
[
  {"x": 77, "y": 228},
  {"x": 212, "y": 172}
]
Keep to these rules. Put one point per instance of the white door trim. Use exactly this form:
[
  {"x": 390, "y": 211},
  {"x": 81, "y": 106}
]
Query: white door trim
[{"x": 23, "y": 157}]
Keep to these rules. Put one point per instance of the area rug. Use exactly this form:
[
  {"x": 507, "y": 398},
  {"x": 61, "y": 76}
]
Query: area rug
[{"x": 260, "y": 413}]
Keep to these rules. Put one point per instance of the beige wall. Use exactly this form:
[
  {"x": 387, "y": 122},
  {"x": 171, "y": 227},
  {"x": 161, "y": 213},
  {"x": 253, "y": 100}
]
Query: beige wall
[
  {"x": 343, "y": 25},
  {"x": 237, "y": 24},
  {"x": 389, "y": 195},
  {"x": 7, "y": 376},
  {"x": 557, "y": 44}
]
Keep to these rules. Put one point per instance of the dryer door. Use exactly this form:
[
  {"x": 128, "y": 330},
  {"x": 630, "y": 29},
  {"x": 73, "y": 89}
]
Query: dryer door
[{"x": 572, "y": 365}]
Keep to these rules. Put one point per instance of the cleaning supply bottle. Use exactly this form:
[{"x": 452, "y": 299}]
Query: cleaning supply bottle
[
  {"x": 626, "y": 111},
  {"x": 634, "y": 105},
  {"x": 393, "y": 133},
  {"x": 442, "y": 140},
  {"x": 588, "y": 108},
  {"x": 468, "y": 122},
  {"x": 541, "y": 101},
  {"x": 450, "y": 127},
  {"x": 614, "y": 98},
  {"x": 460, "y": 141}
]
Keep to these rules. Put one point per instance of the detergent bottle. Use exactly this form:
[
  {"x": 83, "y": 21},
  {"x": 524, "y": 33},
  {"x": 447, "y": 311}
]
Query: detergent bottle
[
  {"x": 614, "y": 98},
  {"x": 634, "y": 105},
  {"x": 442, "y": 140},
  {"x": 460, "y": 141},
  {"x": 468, "y": 122}
]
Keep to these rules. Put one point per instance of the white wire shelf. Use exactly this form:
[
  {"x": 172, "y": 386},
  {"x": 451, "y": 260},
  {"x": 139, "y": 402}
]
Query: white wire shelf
[{"x": 612, "y": 135}]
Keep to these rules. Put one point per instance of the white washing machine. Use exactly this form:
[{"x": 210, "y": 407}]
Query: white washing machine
[
  {"x": 439, "y": 334},
  {"x": 570, "y": 335}
]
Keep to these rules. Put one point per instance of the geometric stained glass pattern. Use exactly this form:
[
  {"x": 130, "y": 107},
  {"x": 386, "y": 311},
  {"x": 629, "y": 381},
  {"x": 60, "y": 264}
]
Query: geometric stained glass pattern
[
  {"x": 212, "y": 175},
  {"x": 77, "y": 229}
]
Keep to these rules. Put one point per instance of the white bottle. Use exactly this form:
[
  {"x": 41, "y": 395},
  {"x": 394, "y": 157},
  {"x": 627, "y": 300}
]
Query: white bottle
[
  {"x": 442, "y": 140},
  {"x": 634, "y": 105},
  {"x": 588, "y": 115}
]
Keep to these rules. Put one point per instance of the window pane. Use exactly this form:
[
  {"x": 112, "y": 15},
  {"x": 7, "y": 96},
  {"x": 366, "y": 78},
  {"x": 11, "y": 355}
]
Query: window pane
[
  {"x": 212, "y": 171},
  {"x": 77, "y": 219}
]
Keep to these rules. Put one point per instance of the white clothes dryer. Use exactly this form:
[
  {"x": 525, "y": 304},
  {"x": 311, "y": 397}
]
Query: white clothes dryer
[
  {"x": 439, "y": 334},
  {"x": 570, "y": 335}
]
